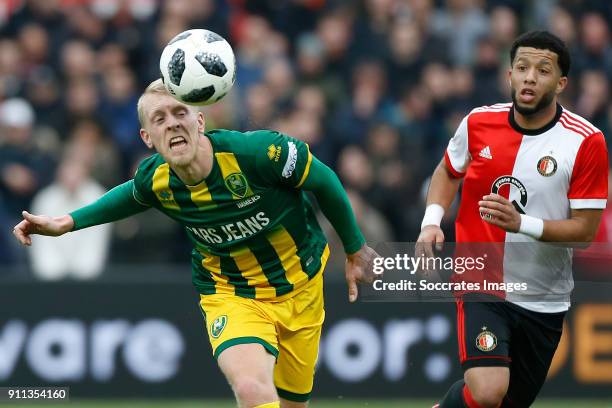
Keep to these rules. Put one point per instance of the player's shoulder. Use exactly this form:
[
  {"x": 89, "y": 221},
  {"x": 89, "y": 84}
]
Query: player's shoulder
[
  {"x": 491, "y": 110},
  {"x": 578, "y": 125},
  {"x": 245, "y": 143},
  {"x": 148, "y": 165},
  {"x": 242, "y": 142}
]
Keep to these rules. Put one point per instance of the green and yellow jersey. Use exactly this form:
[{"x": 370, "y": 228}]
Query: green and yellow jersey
[{"x": 253, "y": 230}]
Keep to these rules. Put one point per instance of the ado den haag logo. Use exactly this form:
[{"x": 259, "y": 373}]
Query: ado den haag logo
[
  {"x": 237, "y": 184},
  {"x": 217, "y": 326}
]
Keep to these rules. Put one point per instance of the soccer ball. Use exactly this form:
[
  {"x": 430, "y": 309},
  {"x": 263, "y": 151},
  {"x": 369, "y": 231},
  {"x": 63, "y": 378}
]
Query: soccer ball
[{"x": 198, "y": 67}]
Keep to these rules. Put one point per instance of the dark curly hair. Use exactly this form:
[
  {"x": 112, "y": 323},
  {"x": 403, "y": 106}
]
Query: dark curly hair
[{"x": 543, "y": 40}]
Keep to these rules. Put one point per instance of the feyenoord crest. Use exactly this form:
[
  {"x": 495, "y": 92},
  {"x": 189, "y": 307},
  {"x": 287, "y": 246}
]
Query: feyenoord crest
[
  {"x": 486, "y": 340},
  {"x": 237, "y": 184},
  {"x": 547, "y": 166},
  {"x": 217, "y": 326}
]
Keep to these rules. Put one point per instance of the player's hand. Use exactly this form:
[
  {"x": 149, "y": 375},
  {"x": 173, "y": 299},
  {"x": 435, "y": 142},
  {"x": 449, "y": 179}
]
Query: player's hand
[
  {"x": 359, "y": 269},
  {"x": 42, "y": 225},
  {"x": 430, "y": 235},
  {"x": 497, "y": 210}
]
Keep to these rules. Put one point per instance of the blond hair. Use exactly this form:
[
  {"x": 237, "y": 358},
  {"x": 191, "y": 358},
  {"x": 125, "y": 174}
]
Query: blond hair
[{"x": 155, "y": 87}]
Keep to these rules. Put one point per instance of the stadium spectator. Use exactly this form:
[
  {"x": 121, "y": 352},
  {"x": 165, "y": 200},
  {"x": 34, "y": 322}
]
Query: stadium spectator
[
  {"x": 461, "y": 23},
  {"x": 81, "y": 256},
  {"x": 437, "y": 59},
  {"x": 24, "y": 167}
]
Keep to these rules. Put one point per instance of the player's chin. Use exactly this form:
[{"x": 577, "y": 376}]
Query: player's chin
[{"x": 182, "y": 158}]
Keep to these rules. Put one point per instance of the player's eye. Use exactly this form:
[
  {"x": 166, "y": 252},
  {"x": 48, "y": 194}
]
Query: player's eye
[{"x": 543, "y": 71}]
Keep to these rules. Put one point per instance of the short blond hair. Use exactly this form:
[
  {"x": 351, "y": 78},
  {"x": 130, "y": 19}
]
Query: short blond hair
[{"x": 155, "y": 87}]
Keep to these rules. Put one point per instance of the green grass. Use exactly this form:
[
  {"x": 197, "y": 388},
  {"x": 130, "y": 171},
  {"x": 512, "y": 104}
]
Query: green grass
[{"x": 324, "y": 403}]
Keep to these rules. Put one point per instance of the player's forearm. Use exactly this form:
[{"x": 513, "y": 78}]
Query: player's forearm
[
  {"x": 443, "y": 187},
  {"x": 442, "y": 190},
  {"x": 573, "y": 230},
  {"x": 117, "y": 204},
  {"x": 334, "y": 203}
]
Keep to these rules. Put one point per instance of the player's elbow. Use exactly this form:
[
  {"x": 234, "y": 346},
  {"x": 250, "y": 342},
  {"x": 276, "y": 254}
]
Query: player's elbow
[
  {"x": 585, "y": 239},
  {"x": 589, "y": 237}
]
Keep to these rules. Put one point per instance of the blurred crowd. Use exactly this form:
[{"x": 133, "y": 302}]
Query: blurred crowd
[{"x": 376, "y": 87}]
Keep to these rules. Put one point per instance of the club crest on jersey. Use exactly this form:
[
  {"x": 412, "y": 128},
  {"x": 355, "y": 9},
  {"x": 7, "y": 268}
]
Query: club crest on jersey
[
  {"x": 547, "y": 166},
  {"x": 274, "y": 152},
  {"x": 217, "y": 326},
  {"x": 486, "y": 340},
  {"x": 237, "y": 184}
]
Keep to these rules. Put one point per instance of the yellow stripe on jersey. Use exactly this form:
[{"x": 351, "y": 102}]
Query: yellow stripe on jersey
[
  {"x": 286, "y": 250},
  {"x": 212, "y": 264},
  {"x": 161, "y": 187},
  {"x": 238, "y": 183},
  {"x": 251, "y": 270},
  {"x": 201, "y": 197},
  {"x": 306, "y": 169}
]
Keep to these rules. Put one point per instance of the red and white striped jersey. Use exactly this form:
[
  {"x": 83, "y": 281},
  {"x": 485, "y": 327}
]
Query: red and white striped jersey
[{"x": 545, "y": 173}]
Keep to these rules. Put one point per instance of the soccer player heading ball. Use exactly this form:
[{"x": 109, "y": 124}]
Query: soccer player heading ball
[
  {"x": 533, "y": 171},
  {"x": 258, "y": 251}
]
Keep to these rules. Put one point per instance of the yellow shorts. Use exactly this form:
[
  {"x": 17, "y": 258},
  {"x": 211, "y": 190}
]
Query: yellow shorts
[{"x": 288, "y": 328}]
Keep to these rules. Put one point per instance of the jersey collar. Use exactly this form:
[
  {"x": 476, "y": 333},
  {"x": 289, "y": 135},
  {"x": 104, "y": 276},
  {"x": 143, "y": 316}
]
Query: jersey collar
[{"x": 533, "y": 132}]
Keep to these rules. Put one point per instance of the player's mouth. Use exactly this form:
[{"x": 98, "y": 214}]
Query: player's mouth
[
  {"x": 178, "y": 143},
  {"x": 527, "y": 95}
]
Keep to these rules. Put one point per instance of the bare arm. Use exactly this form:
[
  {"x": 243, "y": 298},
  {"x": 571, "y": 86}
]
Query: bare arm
[
  {"x": 442, "y": 191},
  {"x": 43, "y": 225},
  {"x": 443, "y": 187},
  {"x": 581, "y": 227}
]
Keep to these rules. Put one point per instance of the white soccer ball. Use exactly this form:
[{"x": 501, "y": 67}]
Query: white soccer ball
[{"x": 198, "y": 67}]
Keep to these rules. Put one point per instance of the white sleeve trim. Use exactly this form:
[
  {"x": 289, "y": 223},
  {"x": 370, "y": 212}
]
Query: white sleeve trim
[
  {"x": 587, "y": 203},
  {"x": 457, "y": 150}
]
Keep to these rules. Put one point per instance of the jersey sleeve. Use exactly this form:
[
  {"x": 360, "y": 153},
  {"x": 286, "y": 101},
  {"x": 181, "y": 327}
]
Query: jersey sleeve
[
  {"x": 281, "y": 159},
  {"x": 143, "y": 179},
  {"x": 589, "y": 182},
  {"x": 457, "y": 155}
]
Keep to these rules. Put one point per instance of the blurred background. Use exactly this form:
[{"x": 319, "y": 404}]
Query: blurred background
[{"x": 375, "y": 87}]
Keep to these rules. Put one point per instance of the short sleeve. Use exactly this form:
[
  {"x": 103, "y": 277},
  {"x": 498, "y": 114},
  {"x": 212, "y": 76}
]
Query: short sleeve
[
  {"x": 589, "y": 182},
  {"x": 281, "y": 159},
  {"x": 457, "y": 155}
]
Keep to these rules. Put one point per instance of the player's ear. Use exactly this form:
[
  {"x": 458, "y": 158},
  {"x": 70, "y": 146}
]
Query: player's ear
[
  {"x": 146, "y": 138},
  {"x": 561, "y": 84},
  {"x": 201, "y": 122}
]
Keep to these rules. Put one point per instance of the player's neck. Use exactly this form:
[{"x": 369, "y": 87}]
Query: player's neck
[
  {"x": 537, "y": 120},
  {"x": 200, "y": 167}
]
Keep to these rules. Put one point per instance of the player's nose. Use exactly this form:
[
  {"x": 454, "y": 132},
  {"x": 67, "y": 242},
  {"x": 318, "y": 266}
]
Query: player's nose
[
  {"x": 172, "y": 123},
  {"x": 530, "y": 76}
]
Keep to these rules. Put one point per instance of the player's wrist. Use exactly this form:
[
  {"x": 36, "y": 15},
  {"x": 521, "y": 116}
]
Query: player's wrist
[
  {"x": 531, "y": 226},
  {"x": 433, "y": 215},
  {"x": 66, "y": 223}
]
